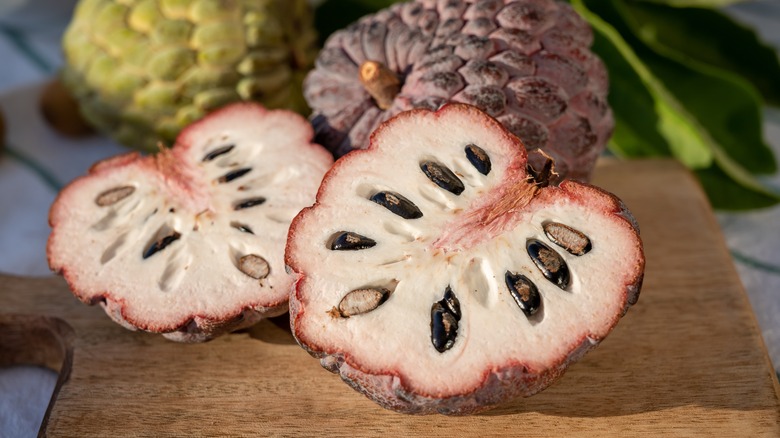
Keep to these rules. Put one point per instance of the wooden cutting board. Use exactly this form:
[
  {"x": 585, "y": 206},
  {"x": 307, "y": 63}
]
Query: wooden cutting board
[{"x": 686, "y": 360}]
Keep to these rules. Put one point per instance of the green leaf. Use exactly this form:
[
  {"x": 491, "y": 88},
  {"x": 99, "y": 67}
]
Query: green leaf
[
  {"x": 726, "y": 194},
  {"x": 707, "y": 37},
  {"x": 727, "y": 107},
  {"x": 685, "y": 139},
  {"x": 633, "y": 107},
  {"x": 333, "y": 15},
  {"x": 693, "y": 3},
  {"x": 725, "y": 177},
  {"x": 724, "y": 104}
]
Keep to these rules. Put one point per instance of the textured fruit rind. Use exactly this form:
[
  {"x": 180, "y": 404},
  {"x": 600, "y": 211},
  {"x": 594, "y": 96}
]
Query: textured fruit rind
[
  {"x": 143, "y": 70},
  {"x": 188, "y": 311},
  {"x": 499, "y": 382},
  {"x": 526, "y": 62}
]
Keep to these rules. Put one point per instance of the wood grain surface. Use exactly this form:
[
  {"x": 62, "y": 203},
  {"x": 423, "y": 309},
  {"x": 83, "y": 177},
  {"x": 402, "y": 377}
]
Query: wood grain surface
[{"x": 687, "y": 360}]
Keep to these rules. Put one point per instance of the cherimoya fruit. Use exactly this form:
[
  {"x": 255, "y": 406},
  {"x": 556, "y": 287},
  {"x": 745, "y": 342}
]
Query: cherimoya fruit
[
  {"x": 525, "y": 62},
  {"x": 189, "y": 242},
  {"x": 436, "y": 273},
  {"x": 141, "y": 70}
]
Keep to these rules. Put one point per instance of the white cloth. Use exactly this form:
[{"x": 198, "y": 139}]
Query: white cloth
[{"x": 40, "y": 162}]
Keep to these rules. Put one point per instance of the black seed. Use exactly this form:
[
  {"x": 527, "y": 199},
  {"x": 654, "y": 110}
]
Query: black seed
[
  {"x": 549, "y": 262},
  {"x": 524, "y": 292},
  {"x": 246, "y": 203},
  {"x": 160, "y": 244},
  {"x": 242, "y": 227},
  {"x": 444, "y": 328},
  {"x": 451, "y": 302},
  {"x": 568, "y": 238},
  {"x": 112, "y": 196},
  {"x": 233, "y": 174},
  {"x": 445, "y": 315},
  {"x": 442, "y": 176},
  {"x": 218, "y": 151},
  {"x": 397, "y": 204},
  {"x": 348, "y": 241},
  {"x": 478, "y": 158}
]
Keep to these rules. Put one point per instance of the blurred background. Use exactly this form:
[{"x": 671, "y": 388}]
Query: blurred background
[{"x": 37, "y": 161}]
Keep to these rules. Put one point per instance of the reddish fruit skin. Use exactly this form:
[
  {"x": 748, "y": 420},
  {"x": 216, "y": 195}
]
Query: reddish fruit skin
[
  {"x": 500, "y": 383},
  {"x": 525, "y": 62}
]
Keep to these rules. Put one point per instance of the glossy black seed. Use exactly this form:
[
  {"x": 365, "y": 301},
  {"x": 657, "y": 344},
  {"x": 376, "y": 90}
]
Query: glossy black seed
[
  {"x": 397, "y": 204},
  {"x": 349, "y": 241},
  {"x": 549, "y": 262},
  {"x": 442, "y": 176},
  {"x": 444, "y": 328},
  {"x": 445, "y": 315},
  {"x": 233, "y": 174},
  {"x": 451, "y": 302},
  {"x": 478, "y": 158},
  {"x": 247, "y": 203},
  {"x": 160, "y": 244},
  {"x": 218, "y": 151},
  {"x": 568, "y": 238},
  {"x": 524, "y": 292}
]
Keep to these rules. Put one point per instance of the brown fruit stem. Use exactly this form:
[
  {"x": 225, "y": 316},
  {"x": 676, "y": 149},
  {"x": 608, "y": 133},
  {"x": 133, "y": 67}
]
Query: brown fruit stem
[
  {"x": 380, "y": 82},
  {"x": 545, "y": 175}
]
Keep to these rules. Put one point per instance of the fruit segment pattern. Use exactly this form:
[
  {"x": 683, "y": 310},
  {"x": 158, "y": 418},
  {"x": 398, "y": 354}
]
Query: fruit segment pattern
[
  {"x": 435, "y": 273},
  {"x": 190, "y": 242},
  {"x": 142, "y": 70}
]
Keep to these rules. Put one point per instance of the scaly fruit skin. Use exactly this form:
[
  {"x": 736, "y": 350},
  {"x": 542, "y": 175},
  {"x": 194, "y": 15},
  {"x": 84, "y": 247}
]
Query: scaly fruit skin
[
  {"x": 525, "y": 62},
  {"x": 144, "y": 69},
  {"x": 415, "y": 309},
  {"x": 189, "y": 242}
]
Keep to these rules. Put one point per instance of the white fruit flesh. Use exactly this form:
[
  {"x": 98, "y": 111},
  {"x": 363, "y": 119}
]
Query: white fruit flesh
[
  {"x": 466, "y": 242},
  {"x": 100, "y": 249}
]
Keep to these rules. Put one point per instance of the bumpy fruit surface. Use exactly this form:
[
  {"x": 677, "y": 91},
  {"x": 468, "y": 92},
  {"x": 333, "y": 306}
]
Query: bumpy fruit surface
[
  {"x": 436, "y": 274},
  {"x": 525, "y": 62},
  {"x": 143, "y": 69},
  {"x": 190, "y": 242}
]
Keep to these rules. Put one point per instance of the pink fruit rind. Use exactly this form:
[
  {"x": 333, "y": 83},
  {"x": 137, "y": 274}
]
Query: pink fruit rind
[
  {"x": 187, "y": 328},
  {"x": 503, "y": 383},
  {"x": 499, "y": 382},
  {"x": 179, "y": 180},
  {"x": 496, "y": 386}
]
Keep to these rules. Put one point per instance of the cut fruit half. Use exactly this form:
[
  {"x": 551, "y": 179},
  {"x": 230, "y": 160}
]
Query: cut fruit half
[
  {"x": 190, "y": 242},
  {"x": 435, "y": 274}
]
